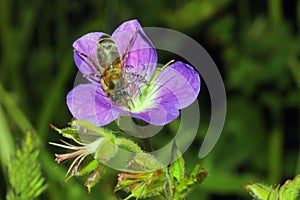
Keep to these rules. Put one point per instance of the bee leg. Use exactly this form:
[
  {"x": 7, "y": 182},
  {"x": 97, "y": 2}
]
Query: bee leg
[
  {"x": 94, "y": 75},
  {"x": 123, "y": 72}
]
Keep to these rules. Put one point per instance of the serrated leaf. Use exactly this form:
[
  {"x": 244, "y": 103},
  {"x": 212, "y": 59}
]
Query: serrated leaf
[
  {"x": 290, "y": 190},
  {"x": 141, "y": 185},
  {"x": 158, "y": 184},
  {"x": 189, "y": 182},
  {"x": 258, "y": 191},
  {"x": 176, "y": 169},
  {"x": 24, "y": 171}
]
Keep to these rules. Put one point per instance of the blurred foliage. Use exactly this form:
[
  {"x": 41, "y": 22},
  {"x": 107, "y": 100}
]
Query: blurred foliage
[{"x": 255, "y": 44}]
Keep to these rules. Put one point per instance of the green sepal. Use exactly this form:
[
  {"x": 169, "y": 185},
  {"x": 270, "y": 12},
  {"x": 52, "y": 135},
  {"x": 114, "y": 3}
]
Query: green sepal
[
  {"x": 165, "y": 182},
  {"x": 92, "y": 165},
  {"x": 87, "y": 129},
  {"x": 105, "y": 151},
  {"x": 128, "y": 145},
  {"x": 149, "y": 181},
  {"x": 189, "y": 182},
  {"x": 141, "y": 185},
  {"x": 94, "y": 178},
  {"x": 144, "y": 162},
  {"x": 67, "y": 132}
]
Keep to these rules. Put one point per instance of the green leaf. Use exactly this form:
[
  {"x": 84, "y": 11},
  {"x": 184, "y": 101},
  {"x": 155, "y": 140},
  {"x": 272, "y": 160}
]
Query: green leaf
[
  {"x": 141, "y": 185},
  {"x": 189, "y": 182},
  {"x": 24, "y": 171},
  {"x": 164, "y": 182},
  {"x": 176, "y": 169},
  {"x": 290, "y": 190},
  {"x": 258, "y": 191}
]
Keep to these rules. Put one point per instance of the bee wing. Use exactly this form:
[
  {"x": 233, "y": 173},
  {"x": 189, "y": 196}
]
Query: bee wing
[
  {"x": 107, "y": 52},
  {"x": 136, "y": 49},
  {"x": 85, "y": 54}
]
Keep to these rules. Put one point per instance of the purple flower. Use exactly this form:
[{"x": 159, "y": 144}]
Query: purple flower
[{"x": 143, "y": 91}]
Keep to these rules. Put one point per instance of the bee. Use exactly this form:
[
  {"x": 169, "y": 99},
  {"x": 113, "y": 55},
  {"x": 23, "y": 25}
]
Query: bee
[
  {"x": 110, "y": 62},
  {"x": 111, "y": 68}
]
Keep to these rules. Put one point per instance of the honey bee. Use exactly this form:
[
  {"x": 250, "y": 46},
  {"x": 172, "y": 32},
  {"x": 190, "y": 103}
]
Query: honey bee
[
  {"x": 110, "y": 68},
  {"x": 110, "y": 62}
]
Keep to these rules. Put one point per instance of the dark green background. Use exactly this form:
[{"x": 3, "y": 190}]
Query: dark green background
[{"x": 255, "y": 45}]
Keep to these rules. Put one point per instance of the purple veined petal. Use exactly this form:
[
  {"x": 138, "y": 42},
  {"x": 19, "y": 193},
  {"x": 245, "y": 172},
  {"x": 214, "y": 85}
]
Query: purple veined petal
[
  {"x": 160, "y": 107},
  {"x": 89, "y": 102},
  {"x": 159, "y": 114},
  {"x": 87, "y": 45},
  {"x": 176, "y": 87},
  {"x": 136, "y": 48},
  {"x": 182, "y": 80}
]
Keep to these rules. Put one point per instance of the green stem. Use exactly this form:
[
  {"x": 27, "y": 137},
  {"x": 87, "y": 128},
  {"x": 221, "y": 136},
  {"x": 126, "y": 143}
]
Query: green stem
[
  {"x": 275, "y": 143},
  {"x": 243, "y": 9},
  {"x": 275, "y": 154},
  {"x": 129, "y": 144},
  {"x": 147, "y": 145},
  {"x": 6, "y": 141},
  {"x": 294, "y": 66},
  {"x": 275, "y": 12},
  {"x": 298, "y": 14},
  {"x": 146, "y": 141},
  {"x": 298, "y": 162}
]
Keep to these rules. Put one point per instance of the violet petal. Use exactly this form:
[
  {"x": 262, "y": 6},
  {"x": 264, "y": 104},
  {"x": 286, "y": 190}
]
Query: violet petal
[
  {"x": 135, "y": 47},
  {"x": 182, "y": 80},
  {"x": 89, "y": 102},
  {"x": 162, "y": 111},
  {"x": 176, "y": 87},
  {"x": 87, "y": 45}
]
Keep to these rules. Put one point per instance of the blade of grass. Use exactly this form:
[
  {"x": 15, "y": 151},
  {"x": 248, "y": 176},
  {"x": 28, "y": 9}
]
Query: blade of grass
[
  {"x": 14, "y": 111},
  {"x": 6, "y": 141}
]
